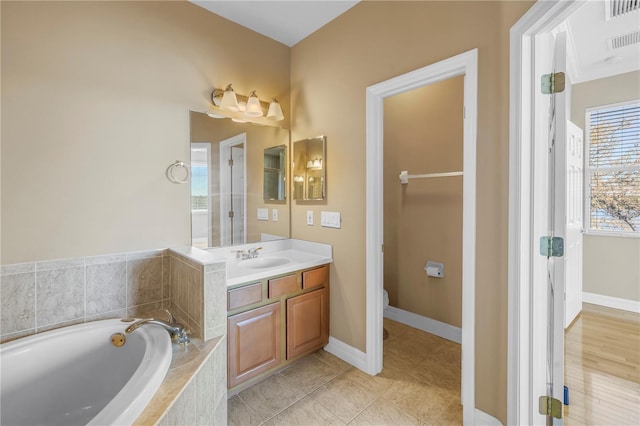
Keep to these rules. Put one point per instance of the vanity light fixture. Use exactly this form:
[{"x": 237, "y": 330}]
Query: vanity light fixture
[
  {"x": 229, "y": 100},
  {"x": 314, "y": 164},
  {"x": 275, "y": 111},
  {"x": 239, "y": 106},
  {"x": 253, "y": 109}
]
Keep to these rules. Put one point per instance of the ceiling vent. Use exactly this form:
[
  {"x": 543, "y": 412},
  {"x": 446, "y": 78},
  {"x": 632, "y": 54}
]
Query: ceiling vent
[
  {"x": 624, "y": 40},
  {"x": 616, "y": 8}
]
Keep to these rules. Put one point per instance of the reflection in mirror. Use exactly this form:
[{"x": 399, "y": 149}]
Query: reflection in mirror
[
  {"x": 227, "y": 184},
  {"x": 275, "y": 173},
  {"x": 309, "y": 169}
]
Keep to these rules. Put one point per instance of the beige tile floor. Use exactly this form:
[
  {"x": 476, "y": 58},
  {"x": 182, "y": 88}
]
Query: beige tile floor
[{"x": 419, "y": 385}]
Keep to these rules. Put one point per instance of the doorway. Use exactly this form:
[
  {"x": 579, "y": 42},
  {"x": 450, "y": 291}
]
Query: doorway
[
  {"x": 529, "y": 335},
  {"x": 201, "y": 235},
  {"x": 465, "y": 65},
  {"x": 233, "y": 191}
]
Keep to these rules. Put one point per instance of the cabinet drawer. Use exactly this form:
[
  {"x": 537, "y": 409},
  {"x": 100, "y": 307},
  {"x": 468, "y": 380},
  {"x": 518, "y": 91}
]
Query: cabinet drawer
[
  {"x": 244, "y": 296},
  {"x": 284, "y": 285},
  {"x": 315, "y": 277}
]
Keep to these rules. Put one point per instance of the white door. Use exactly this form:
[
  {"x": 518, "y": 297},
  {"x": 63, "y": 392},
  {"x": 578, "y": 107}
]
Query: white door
[
  {"x": 549, "y": 222},
  {"x": 574, "y": 223},
  {"x": 238, "y": 195},
  {"x": 233, "y": 191}
]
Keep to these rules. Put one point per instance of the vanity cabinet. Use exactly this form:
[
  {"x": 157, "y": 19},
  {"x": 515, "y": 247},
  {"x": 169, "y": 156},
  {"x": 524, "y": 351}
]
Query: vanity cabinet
[
  {"x": 254, "y": 342},
  {"x": 307, "y": 323},
  {"x": 275, "y": 321}
]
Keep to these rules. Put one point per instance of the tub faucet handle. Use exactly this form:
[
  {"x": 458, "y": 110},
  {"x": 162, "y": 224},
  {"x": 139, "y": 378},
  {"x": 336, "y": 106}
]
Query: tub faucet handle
[{"x": 170, "y": 318}]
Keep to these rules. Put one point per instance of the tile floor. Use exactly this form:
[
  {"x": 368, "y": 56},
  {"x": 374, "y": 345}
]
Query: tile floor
[{"x": 419, "y": 385}]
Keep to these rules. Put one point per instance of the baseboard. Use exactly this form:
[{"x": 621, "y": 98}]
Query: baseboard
[
  {"x": 611, "y": 302},
  {"x": 483, "y": 419},
  {"x": 347, "y": 353},
  {"x": 444, "y": 330}
]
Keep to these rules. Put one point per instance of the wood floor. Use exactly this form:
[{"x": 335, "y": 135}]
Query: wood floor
[{"x": 602, "y": 367}]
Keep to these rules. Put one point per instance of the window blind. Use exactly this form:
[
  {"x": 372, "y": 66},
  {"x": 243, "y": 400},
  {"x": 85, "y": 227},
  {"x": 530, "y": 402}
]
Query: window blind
[{"x": 613, "y": 169}]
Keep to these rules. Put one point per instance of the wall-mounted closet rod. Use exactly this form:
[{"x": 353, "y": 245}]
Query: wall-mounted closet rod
[{"x": 405, "y": 176}]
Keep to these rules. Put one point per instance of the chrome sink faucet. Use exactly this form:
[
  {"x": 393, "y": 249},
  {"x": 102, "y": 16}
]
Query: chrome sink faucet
[
  {"x": 248, "y": 254},
  {"x": 177, "y": 331}
]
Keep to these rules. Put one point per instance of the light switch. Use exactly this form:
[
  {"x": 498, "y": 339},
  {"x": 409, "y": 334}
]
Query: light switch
[
  {"x": 263, "y": 214},
  {"x": 330, "y": 219},
  {"x": 274, "y": 215},
  {"x": 309, "y": 217}
]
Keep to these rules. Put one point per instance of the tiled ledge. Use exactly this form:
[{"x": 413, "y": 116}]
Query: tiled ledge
[{"x": 195, "y": 388}]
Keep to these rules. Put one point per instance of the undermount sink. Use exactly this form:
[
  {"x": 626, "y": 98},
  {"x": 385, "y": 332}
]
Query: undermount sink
[{"x": 264, "y": 262}]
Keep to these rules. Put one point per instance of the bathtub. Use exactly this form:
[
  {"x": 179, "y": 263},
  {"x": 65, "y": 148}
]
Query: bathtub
[{"x": 76, "y": 376}]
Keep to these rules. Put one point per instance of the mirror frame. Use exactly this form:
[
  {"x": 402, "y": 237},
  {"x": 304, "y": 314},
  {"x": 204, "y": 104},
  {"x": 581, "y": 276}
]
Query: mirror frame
[
  {"x": 302, "y": 176},
  {"x": 282, "y": 175}
]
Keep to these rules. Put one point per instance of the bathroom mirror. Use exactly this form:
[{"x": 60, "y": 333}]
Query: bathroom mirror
[
  {"x": 309, "y": 169},
  {"x": 228, "y": 205},
  {"x": 275, "y": 173}
]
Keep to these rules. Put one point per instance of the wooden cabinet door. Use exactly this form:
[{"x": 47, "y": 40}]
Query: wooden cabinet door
[
  {"x": 307, "y": 322},
  {"x": 253, "y": 343}
]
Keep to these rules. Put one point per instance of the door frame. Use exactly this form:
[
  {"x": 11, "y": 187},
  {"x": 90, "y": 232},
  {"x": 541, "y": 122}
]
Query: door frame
[
  {"x": 463, "y": 64},
  {"x": 523, "y": 334},
  {"x": 225, "y": 182},
  {"x": 207, "y": 147}
]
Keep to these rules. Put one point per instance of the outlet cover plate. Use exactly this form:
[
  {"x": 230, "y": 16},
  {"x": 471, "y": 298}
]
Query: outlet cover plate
[
  {"x": 330, "y": 219},
  {"x": 309, "y": 217}
]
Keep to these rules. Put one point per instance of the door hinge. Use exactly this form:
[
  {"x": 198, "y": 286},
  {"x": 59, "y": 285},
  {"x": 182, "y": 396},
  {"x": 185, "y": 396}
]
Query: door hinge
[
  {"x": 551, "y": 246},
  {"x": 231, "y": 163},
  {"x": 553, "y": 83},
  {"x": 548, "y": 406},
  {"x": 231, "y": 214}
]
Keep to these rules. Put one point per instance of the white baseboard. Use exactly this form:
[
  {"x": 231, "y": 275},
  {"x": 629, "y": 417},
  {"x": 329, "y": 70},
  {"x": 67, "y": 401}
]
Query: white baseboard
[
  {"x": 483, "y": 419},
  {"x": 347, "y": 353},
  {"x": 429, "y": 325},
  {"x": 611, "y": 302}
]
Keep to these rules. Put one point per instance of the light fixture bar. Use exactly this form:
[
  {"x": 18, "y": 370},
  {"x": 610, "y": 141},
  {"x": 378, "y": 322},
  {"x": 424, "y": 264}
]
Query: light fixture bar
[{"x": 216, "y": 99}]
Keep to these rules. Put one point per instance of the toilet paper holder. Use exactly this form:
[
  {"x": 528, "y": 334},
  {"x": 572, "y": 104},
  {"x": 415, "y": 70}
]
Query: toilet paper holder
[{"x": 434, "y": 269}]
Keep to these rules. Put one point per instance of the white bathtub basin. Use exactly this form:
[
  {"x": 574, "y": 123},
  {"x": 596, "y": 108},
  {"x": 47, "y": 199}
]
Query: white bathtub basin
[{"x": 75, "y": 376}]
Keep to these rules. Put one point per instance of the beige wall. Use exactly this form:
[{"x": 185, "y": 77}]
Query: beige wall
[
  {"x": 611, "y": 265},
  {"x": 330, "y": 70},
  {"x": 423, "y": 133},
  {"x": 95, "y": 104},
  {"x": 95, "y": 107},
  {"x": 207, "y": 129}
]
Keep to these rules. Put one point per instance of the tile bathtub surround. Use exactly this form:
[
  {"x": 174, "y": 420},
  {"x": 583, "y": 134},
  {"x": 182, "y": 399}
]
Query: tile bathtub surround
[
  {"x": 194, "y": 392},
  {"x": 198, "y": 288},
  {"x": 40, "y": 296}
]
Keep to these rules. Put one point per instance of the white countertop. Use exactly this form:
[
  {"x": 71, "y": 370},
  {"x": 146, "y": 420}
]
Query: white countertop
[
  {"x": 238, "y": 272},
  {"x": 287, "y": 256}
]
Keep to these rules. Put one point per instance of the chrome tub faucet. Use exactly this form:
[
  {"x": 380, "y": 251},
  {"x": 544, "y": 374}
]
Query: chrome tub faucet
[{"x": 177, "y": 331}]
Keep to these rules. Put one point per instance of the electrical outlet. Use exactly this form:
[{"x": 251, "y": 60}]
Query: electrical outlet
[
  {"x": 274, "y": 215},
  {"x": 310, "y": 217}
]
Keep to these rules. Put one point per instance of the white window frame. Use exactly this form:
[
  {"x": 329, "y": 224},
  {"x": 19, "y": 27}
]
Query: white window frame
[{"x": 588, "y": 170}]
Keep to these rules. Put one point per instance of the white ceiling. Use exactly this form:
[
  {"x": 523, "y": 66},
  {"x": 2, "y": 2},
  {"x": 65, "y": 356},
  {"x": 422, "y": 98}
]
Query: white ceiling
[
  {"x": 589, "y": 54},
  {"x": 285, "y": 21}
]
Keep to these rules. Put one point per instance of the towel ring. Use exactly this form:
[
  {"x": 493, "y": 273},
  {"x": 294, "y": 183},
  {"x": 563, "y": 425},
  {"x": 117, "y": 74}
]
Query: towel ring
[{"x": 171, "y": 170}]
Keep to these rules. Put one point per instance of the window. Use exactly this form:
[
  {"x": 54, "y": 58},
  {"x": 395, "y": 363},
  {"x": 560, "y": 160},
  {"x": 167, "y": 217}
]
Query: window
[{"x": 612, "y": 171}]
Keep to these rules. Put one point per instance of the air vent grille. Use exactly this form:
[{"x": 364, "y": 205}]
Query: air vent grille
[
  {"x": 624, "y": 40},
  {"x": 621, "y": 7}
]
